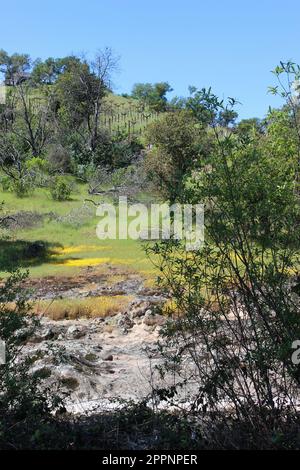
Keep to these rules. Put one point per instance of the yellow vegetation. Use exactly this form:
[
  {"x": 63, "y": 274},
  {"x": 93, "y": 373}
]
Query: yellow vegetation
[
  {"x": 91, "y": 307},
  {"x": 83, "y": 262},
  {"x": 77, "y": 249},
  {"x": 170, "y": 308},
  {"x": 150, "y": 282}
]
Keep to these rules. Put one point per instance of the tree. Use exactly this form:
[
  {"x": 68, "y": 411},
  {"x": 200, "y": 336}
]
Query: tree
[
  {"x": 47, "y": 72},
  {"x": 201, "y": 103},
  {"x": 81, "y": 89},
  {"x": 32, "y": 117},
  {"x": 26, "y": 129},
  {"x": 14, "y": 67},
  {"x": 22, "y": 171},
  {"x": 288, "y": 75},
  {"x": 177, "y": 145},
  {"x": 13, "y": 162},
  {"x": 227, "y": 117},
  {"x": 249, "y": 127},
  {"x": 103, "y": 67},
  {"x": 152, "y": 95},
  {"x": 75, "y": 90}
]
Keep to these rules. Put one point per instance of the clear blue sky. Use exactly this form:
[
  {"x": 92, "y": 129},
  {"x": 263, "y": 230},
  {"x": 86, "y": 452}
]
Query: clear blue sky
[{"x": 229, "y": 44}]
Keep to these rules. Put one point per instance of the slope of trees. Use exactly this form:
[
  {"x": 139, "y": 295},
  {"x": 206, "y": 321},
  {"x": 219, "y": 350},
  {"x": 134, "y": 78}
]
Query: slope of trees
[{"x": 62, "y": 110}]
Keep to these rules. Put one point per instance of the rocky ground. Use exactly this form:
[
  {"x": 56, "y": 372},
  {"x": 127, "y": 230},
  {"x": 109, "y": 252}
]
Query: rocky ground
[
  {"x": 96, "y": 362},
  {"x": 92, "y": 283}
]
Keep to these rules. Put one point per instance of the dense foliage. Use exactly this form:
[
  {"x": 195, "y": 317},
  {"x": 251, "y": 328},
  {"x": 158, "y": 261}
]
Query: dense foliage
[
  {"x": 236, "y": 300},
  {"x": 57, "y": 119}
]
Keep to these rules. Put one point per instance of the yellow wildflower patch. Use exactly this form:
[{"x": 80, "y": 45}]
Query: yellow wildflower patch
[
  {"x": 79, "y": 248},
  {"x": 83, "y": 262}
]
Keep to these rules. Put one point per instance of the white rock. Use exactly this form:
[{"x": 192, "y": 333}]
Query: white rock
[{"x": 76, "y": 332}]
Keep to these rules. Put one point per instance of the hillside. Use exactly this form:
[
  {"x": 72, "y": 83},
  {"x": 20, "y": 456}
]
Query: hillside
[{"x": 119, "y": 114}]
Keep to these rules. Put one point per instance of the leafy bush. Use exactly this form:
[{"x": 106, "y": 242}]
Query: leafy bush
[
  {"x": 26, "y": 406},
  {"x": 36, "y": 171},
  {"x": 124, "y": 152},
  {"x": 23, "y": 182},
  {"x": 6, "y": 183},
  {"x": 235, "y": 299},
  {"x": 22, "y": 187},
  {"x": 61, "y": 189},
  {"x": 176, "y": 140}
]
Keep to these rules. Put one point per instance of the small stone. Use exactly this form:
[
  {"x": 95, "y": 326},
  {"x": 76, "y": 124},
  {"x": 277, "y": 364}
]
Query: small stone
[{"x": 109, "y": 357}]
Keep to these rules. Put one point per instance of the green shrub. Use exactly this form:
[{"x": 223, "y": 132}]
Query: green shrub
[
  {"x": 27, "y": 405},
  {"x": 22, "y": 187},
  {"x": 6, "y": 183},
  {"x": 60, "y": 189}
]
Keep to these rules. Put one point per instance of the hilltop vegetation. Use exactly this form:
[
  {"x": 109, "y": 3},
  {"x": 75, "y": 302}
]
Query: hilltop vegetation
[{"x": 60, "y": 117}]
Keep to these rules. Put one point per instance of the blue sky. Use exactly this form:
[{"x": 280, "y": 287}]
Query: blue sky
[{"x": 231, "y": 45}]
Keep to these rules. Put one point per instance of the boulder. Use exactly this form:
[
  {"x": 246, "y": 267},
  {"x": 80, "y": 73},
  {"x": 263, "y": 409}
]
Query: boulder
[
  {"x": 43, "y": 334},
  {"x": 76, "y": 331},
  {"x": 138, "y": 309},
  {"x": 151, "y": 319},
  {"x": 125, "y": 322}
]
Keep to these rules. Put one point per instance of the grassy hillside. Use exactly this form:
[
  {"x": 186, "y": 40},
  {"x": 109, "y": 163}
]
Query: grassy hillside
[
  {"x": 68, "y": 231},
  {"x": 119, "y": 113},
  {"x": 126, "y": 115}
]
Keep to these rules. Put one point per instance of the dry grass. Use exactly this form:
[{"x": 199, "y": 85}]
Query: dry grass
[{"x": 92, "y": 307}]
